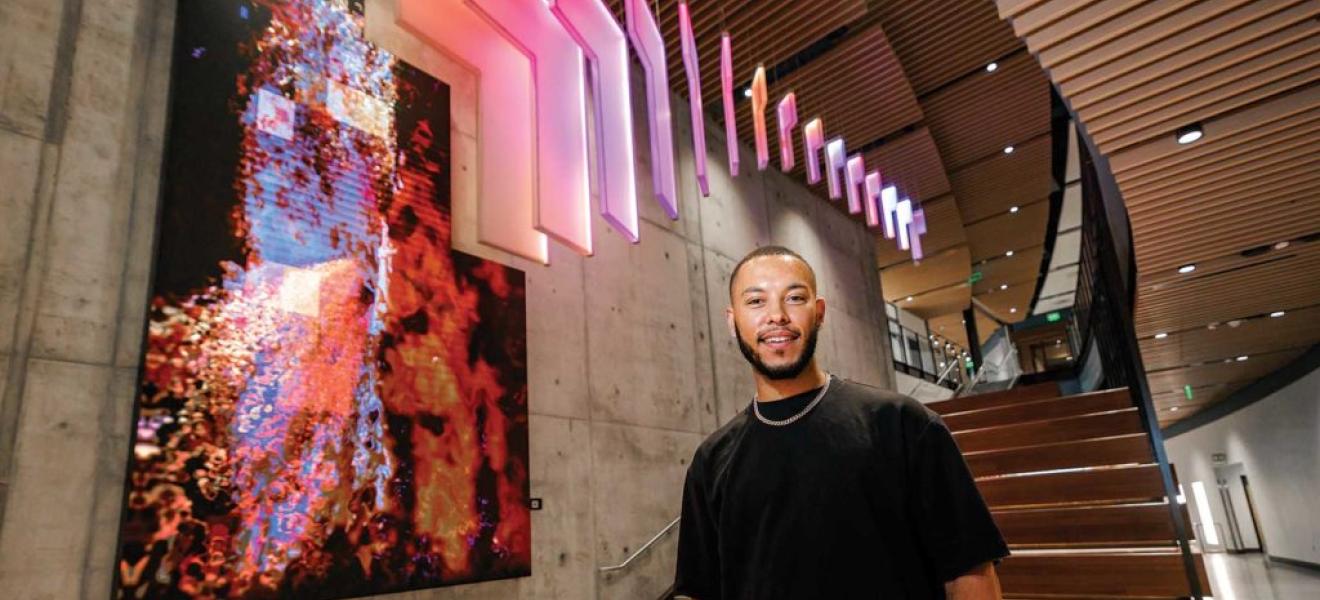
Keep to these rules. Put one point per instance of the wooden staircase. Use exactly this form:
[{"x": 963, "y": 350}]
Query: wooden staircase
[{"x": 1075, "y": 488}]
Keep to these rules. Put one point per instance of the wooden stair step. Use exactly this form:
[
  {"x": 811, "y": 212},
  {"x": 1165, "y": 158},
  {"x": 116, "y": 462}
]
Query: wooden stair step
[
  {"x": 1025, "y": 393},
  {"x": 1120, "y": 450},
  {"x": 1150, "y": 574},
  {"x": 1040, "y": 410},
  {"x": 1091, "y": 487},
  {"x": 1123, "y": 524},
  {"x": 1036, "y": 433}
]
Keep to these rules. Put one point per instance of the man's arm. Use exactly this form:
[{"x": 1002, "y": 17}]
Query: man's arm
[{"x": 980, "y": 583}]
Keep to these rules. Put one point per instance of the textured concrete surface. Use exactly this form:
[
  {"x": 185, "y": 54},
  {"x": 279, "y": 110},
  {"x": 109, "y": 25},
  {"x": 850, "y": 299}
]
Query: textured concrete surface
[{"x": 630, "y": 360}]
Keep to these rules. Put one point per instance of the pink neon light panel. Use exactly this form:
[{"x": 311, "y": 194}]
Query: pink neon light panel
[
  {"x": 506, "y": 150},
  {"x": 853, "y": 178},
  {"x": 872, "y": 199},
  {"x": 835, "y": 162},
  {"x": 730, "y": 117},
  {"x": 813, "y": 142},
  {"x": 563, "y": 199},
  {"x": 693, "y": 69},
  {"x": 788, "y": 119},
  {"x": 760, "y": 100},
  {"x": 650, "y": 48},
  {"x": 594, "y": 29}
]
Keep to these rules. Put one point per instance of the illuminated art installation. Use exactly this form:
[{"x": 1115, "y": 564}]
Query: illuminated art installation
[
  {"x": 563, "y": 196},
  {"x": 726, "y": 85},
  {"x": 506, "y": 172},
  {"x": 602, "y": 40},
  {"x": 835, "y": 162},
  {"x": 853, "y": 180},
  {"x": 872, "y": 202},
  {"x": 650, "y": 48},
  {"x": 693, "y": 69},
  {"x": 788, "y": 119},
  {"x": 889, "y": 209},
  {"x": 760, "y": 99},
  {"x": 332, "y": 402},
  {"x": 813, "y": 143}
]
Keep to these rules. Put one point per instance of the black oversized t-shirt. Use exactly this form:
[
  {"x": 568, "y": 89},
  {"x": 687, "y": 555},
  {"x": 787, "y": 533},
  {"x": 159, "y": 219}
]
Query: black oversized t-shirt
[{"x": 867, "y": 496}]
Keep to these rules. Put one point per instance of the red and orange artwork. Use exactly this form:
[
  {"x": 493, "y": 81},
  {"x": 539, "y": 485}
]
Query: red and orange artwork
[{"x": 333, "y": 402}]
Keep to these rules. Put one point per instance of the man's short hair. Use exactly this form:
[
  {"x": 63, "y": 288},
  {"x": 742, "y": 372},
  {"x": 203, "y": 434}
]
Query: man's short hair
[{"x": 770, "y": 251}]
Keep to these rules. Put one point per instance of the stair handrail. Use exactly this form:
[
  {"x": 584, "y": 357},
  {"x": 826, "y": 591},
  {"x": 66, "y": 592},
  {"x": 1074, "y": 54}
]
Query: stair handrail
[
  {"x": 1012, "y": 353},
  {"x": 643, "y": 549},
  {"x": 943, "y": 374}
]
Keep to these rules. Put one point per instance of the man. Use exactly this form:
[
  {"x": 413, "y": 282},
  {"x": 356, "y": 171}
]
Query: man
[{"x": 825, "y": 488}]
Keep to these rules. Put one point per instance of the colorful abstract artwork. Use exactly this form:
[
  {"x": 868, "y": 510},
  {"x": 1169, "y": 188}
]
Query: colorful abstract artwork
[{"x": 333, "y": 402}]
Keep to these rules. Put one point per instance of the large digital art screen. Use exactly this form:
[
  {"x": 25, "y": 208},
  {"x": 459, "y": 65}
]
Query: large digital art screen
[{"x": 332, "y": 401}]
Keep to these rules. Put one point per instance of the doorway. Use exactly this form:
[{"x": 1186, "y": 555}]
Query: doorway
[{"x": 1239, "y": 511}]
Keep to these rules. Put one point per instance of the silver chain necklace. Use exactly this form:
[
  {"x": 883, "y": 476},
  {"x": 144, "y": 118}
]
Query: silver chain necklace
[{"x": 756, "y": 407}]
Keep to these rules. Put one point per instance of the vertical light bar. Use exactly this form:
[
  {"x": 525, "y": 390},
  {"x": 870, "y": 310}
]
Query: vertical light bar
[
  {"x": 889, "y": 209},
  {"x": 788, "y": 119},
  {"x": 872, "y": 200},
  {"x": 563, "y": 198},
  {"x": 1203, "y": 511},
  {"x": 813, "y": 142},
  {"x": 904, "y": 223},
  {"x": 854, "y": 176},
  {"x": 693, "y": 68},
  {"x": 650, "y": 48},
  {"x": 834, "y": 163},
  {"x": 760, "y": 98},
  {"x": 730, "y": 117},
  {"x": 593, "y": 27},
  {"x": 506, "y": 168},
  {"x": 918, "y": 230}
]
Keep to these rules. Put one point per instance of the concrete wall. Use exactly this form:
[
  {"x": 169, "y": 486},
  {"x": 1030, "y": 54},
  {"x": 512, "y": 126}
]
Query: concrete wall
[
  {"x": 630, "y": 362},
  {"x": 1277, "y": 442}
]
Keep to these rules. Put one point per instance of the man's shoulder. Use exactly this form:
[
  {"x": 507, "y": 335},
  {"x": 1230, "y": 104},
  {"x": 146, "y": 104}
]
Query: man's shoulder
[
  {"x": 723, "y": 438},
  {"x": 885, "y": 404}
]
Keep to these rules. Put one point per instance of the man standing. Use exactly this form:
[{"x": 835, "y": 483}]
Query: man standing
[{"x": 825, "y": 488}]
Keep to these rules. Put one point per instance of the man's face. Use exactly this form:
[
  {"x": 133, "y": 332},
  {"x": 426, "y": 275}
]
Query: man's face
[{"x": 775, "y": 315}]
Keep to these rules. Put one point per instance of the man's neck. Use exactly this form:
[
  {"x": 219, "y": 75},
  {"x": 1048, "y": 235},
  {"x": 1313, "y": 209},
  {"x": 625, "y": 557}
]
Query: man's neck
[{"x": 770, "y": 390}]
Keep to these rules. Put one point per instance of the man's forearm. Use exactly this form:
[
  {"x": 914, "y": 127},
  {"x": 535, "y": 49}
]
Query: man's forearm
[{"x": 980, "y": 583}]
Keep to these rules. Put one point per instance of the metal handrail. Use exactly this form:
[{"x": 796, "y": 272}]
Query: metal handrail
[
  {"x": 920, "y": 382},
  {"x": 976, "y": 377},
  {"x": 643, "y": 549}
]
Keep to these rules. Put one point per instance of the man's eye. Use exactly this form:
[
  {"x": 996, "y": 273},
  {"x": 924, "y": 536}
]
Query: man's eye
[
  {"x": 755, "y": 302},
  {"x": 796, "y": 298}
]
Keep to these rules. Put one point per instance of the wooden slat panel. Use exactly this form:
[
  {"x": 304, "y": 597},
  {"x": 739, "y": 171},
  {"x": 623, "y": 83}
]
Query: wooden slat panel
[
  {"x": 988, "y": 188},
  {"x": 1049, "y": 432},
  {"x": 1024, "y": 393},
  {"x": 1042, "y": 410},
  {"x": 1073, "y": 575},
  {"x": 1129, "y": 449},
  {"x": 976, "y": 117},
  {"x": 991, "y": 238},
  {"x": 912, "y": 164},
  {"x": 921, "y": 33},
  {"x": 1099, "y": 486},
  {"x": 1128, "y": 524}
]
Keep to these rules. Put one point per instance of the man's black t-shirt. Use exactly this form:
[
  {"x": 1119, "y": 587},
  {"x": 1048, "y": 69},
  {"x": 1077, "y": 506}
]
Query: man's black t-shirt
[{"x": 867, "y": 496}]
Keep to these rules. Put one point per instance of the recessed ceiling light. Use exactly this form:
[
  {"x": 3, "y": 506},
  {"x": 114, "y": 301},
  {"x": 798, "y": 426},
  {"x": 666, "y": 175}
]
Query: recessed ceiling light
[
  {"x": 1241, "y": 358},
  {"x": 1013, "y": 310},
  {"x": 1009, "y": 253},
  {"x": 1189, "y": 134},
  {"x": 1174, "y": 409},
  {"x": 909, "y": 298},
  {"x": 1003, "y": 286},
  {"x": 992, "y": 67},
  {"x": 1013, "y": 209},
  {"x": 1008, "y": 149},
  {"x": 1278, "y": 313},
  {"x": 1185, "y": 269},
  {"x": 747, "y": 92},
  {"x": 1161, "y": 335},
  {"x": 1281, "y": 245},
  {"x": 1212, "y": 325}
]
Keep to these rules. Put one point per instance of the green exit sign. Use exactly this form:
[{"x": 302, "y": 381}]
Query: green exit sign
[
  {"x": 1187, "y": 390},
  {"x": 976, "y": 276},
  {"x": 1054, "y": 317}
]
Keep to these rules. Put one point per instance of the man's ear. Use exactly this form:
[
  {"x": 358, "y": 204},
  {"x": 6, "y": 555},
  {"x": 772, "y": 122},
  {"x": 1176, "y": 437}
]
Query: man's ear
[
  {"x": 820, "y": 310},
  {"x": 728, "y": 317}
]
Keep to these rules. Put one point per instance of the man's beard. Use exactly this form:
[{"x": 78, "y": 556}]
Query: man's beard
[{"x": 788, "y": 371}]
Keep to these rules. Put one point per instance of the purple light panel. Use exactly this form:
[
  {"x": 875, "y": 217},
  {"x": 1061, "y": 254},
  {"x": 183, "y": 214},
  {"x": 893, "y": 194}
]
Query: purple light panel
[
  {"x": 889, "y": 209},
  {"x": 854, "y": 178},
  {"x": 599, "y": 36},
  {"x": 918, "y": 230},
  {"x": 650, "y": 48},
  {"x": 813, "y": 142},
  {"x": 835, "y": 162},
  {"x": 693, "y": 68},
  {"x": 904, "y": 223},
  {"x": 872, "y": 200},
  {"x": 788, "y": 119},
  {"x": 506, "y": 166},
  {"x": 760, "y": 98},
  {"x": 730, "y": 117},
  {"x": 562, "y": 208}
]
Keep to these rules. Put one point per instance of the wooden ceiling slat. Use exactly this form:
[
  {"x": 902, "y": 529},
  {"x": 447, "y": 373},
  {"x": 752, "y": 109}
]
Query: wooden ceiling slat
[
  {"x": 1042, "y": 15},
  {"x": 1055, "y": 46},
  {"x": 1075, "y": 26},
  {"x": 992, "y": 237},
  {"x": 1272, "y": 168},
  {"x": 1018, "y": 270},
  {"x": 990, "y": 187},
  {"x": 976, "y": 117},
  {"x": 1285, "y": 135},
  {"x": 920, "y": 33},
  {"x": 912, "y": 164},
  {"x": 936, "y": 271}
]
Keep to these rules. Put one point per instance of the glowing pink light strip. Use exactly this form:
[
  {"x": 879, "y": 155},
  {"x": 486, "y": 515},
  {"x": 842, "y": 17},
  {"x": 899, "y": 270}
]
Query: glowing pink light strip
[
  {"x": 872, "y": 200},
  {"x": 788, "y": 119},
  {"x": 593, "y": 27},
  {"x": 650, "y": 48},
  {"x": 813, "y": 142},
  {"x": 904, "y": 222},
  {"x": 854, "y": 177},
  {"x": 834, "y": 162},
  {"x": 760, "y": 99},
  {"x": 563, "y": 198},
  {"x": 506, "y": 168},
  {"x": 888, "y": 209},
  {"x": 918, "y": 230},
  {"x": 693, "y": 68},
  {"x": 730, "y": 117}
]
